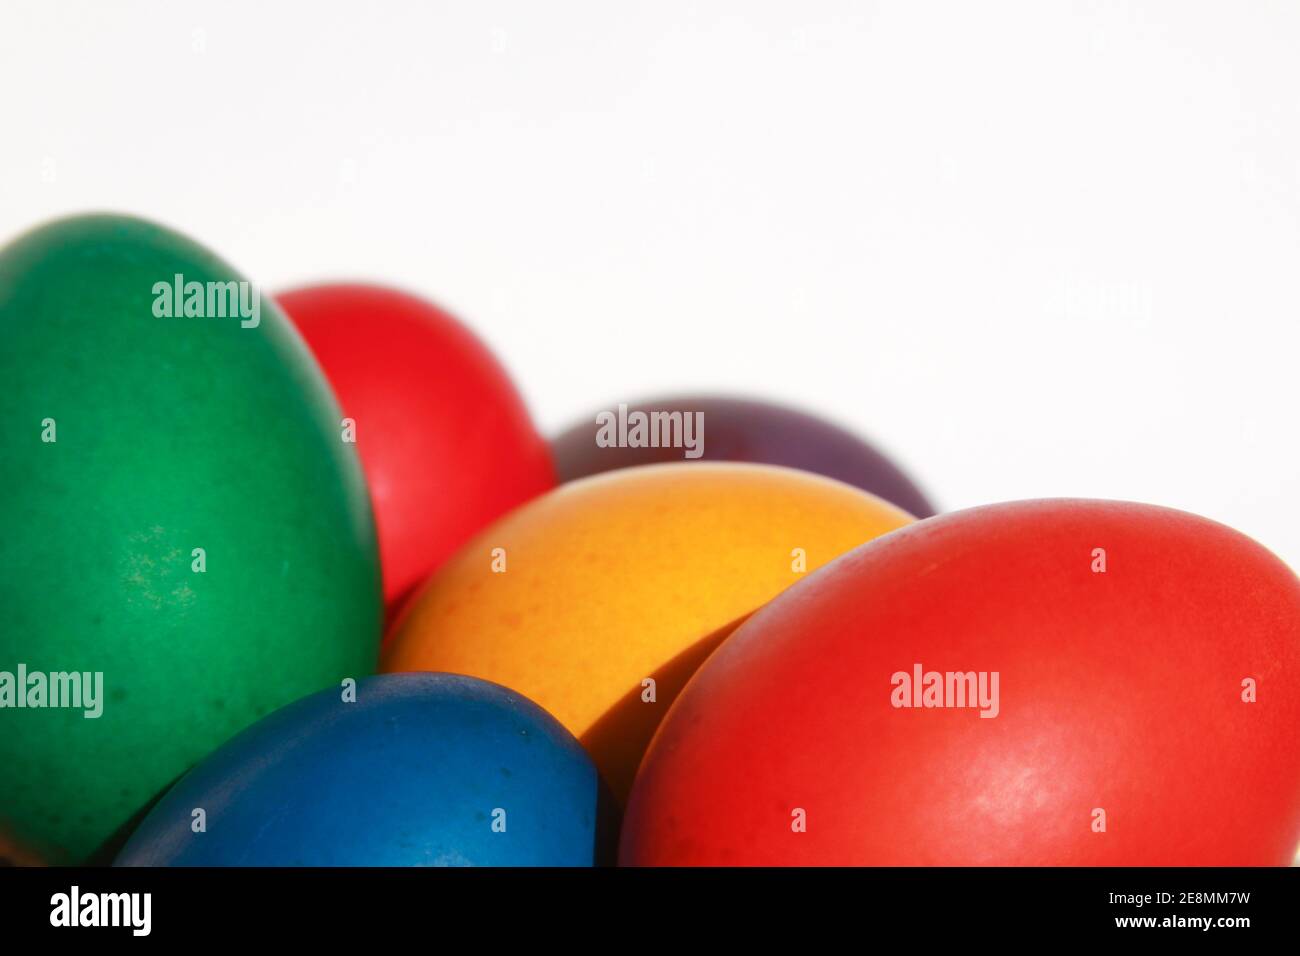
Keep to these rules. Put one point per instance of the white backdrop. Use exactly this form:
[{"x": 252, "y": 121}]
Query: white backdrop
[{"x": 1030, "y": 248}]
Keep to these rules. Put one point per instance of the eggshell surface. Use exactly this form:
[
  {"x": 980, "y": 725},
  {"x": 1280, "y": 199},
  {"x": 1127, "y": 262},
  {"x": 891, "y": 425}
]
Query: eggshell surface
[
  {"x": 1147, "y": 666},
  {"x": 733, "y": 429},
  {"x": 415, "y": 770},
  {"x": 182, "y": 525},
  {"x": 445, "y": 439},
  {"x": 581, "y": 597}
]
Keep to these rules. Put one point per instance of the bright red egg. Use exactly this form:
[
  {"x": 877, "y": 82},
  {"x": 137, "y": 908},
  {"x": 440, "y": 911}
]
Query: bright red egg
[
  {"x": 1057, "y": 682},
  {"x": 445, "y": 439}
]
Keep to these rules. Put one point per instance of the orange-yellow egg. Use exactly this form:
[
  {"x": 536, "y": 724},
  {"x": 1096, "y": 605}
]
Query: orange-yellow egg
[{"x": 601, "y": 598}]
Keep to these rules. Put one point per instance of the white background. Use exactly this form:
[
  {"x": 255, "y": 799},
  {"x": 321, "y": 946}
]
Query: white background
[{"x": 1029, "y": 248}]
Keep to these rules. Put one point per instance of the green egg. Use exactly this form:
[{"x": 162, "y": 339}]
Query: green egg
[{"x": 182, "y": 526}]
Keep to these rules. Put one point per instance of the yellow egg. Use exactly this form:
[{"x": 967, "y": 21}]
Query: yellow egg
[{"x": 601, "y": 598}]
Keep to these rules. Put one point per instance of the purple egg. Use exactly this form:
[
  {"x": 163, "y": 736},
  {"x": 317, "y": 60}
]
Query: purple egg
[{"x": 689, "y": 428}]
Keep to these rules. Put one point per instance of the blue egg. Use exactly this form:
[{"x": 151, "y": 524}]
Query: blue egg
[{"x": 419, "y": 770}]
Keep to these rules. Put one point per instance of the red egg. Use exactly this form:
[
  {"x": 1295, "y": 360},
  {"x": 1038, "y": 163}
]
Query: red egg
[
  {"x": 1037, "y": 683},
  {"x": 445, "y": 439}
]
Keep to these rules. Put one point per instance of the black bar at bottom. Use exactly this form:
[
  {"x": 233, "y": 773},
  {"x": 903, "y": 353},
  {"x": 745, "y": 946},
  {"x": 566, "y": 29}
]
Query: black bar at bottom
[{"x": 1227, "y": 905}]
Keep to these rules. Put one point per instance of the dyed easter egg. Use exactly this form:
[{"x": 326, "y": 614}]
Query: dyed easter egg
[
  {"x": 445, "y": 440},
  {"x": 713, "y": 428},
  {"x": 599, "y": 599},
  {"x": 1039, "y": 683},
  {"x": 187, "y": 542},
  {"x": 400, "y": 770}
]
